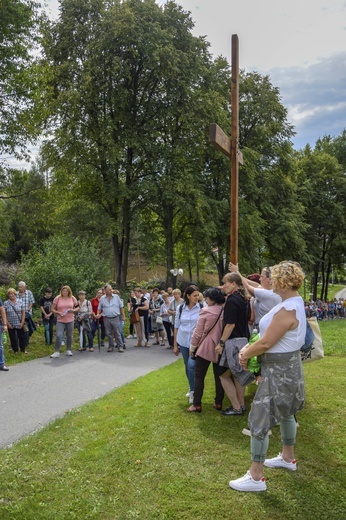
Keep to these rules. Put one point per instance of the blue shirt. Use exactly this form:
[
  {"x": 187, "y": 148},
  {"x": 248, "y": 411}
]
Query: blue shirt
[
  {"x": 186, "y": 323},
  {"x": 110, "y": 308}
]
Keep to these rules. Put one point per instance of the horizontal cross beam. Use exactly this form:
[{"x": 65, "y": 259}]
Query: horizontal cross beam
[{"x": 222, "y": 142}]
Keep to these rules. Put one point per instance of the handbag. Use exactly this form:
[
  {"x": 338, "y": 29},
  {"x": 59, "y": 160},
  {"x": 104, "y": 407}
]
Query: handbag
[
  {"x": 135, "y": 317},
  {"x": 159, "y": 320},
  {"x": 316, "y": 352},
  {"x": 25, "y": 327}
]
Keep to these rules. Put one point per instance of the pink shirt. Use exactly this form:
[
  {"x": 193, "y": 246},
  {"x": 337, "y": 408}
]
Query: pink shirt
[
  {"x": 62, "y": 304},
  {"x": 207, "y": 318}
]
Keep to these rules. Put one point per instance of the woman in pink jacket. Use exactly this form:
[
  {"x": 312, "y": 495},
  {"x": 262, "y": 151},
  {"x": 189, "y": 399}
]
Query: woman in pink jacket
[{"x": 204, "y": 340}]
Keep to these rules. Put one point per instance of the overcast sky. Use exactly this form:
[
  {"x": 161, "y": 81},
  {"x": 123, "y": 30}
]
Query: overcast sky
[{"x": 301, "y": 44}]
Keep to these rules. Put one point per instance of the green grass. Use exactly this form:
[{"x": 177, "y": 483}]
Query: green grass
[{"x": 136, "y": 453}]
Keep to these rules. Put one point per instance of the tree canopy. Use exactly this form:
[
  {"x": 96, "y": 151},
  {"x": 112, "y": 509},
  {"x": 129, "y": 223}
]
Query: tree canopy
[{"x": 122, "y": 94}]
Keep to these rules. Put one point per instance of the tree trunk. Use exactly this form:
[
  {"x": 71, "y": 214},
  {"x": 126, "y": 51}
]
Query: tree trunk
[
  {"x": 315, "y": 281},
  {"x": 168, "y": 225},
  {"x": 190, "y": 269}
]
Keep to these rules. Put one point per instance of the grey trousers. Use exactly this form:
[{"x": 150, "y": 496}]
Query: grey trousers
[{"x": 112, "y": 331}]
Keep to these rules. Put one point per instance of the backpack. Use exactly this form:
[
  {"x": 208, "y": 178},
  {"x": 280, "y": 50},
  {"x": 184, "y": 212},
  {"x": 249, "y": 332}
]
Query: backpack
[
  {"x": 309, "y": 339},
  {"x": 183, "y": 305}
]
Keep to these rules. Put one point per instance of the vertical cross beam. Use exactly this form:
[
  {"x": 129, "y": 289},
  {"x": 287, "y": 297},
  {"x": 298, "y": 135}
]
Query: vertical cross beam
[
  {"x": 234, "y": 150},
  {"x": 229, "y": 146}
]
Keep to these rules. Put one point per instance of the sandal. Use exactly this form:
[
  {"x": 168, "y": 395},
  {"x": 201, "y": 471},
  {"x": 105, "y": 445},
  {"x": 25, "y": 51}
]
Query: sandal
[
  {"x": 156, "y": 343},
  {"x": 147, "y": 345},
  {"x": 193, "y": 408},
  {"x": 91, "y": 349},
  {"x": 81, "y": 349},
  {"x": 162, "y": 344}
]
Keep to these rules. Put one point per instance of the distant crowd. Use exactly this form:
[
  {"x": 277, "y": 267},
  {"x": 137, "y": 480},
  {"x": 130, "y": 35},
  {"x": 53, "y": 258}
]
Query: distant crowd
[{"x": 326, "y": 310}]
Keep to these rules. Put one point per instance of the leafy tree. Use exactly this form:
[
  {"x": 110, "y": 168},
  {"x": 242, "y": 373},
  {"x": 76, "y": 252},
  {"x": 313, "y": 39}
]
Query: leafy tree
[
  {"x": 64, "y": 259},
  {"x": 19, "y": 92},
  {"x": 322, "y": 188},
  {"x": 28, "y": 212},
  {"x": 270, "y": 215},
  {"x": 124, "y": 109}
]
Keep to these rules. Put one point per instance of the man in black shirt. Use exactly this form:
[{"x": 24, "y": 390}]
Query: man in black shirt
[{"x": 47, "y": 315}]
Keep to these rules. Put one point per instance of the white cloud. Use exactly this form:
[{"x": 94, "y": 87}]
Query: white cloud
[{"x": 315, "y": 97}]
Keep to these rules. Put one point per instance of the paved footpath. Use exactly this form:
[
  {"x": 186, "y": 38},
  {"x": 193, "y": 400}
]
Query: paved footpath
[{"x": 34, "y": 393}]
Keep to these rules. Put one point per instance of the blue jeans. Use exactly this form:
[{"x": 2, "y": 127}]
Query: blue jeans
[
  {"x": 2, "y": 357},
  {"x": 121, "y": 329},
  {"x": 189, "y": 367},
  {"x": 48, "y": 330}
]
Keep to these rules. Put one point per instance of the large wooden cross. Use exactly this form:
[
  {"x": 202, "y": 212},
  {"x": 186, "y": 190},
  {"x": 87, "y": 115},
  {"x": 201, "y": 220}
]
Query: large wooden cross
[{"x": 229, "y": 146}]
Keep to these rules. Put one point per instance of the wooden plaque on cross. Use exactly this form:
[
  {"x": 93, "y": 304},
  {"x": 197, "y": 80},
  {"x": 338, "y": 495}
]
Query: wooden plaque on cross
[{"x": 230, "y": 147}]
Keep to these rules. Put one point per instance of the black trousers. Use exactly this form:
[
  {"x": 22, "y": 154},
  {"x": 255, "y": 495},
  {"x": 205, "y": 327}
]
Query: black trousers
[
  {"x": 201, "y": 369},
  {"x": 17, "y": 338},
  {"x": 168, "y": 328}
]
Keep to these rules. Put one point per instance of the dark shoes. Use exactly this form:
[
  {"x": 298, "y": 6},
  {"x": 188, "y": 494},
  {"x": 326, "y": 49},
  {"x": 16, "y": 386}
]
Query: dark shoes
[
  {"x": 4, "y": 368},
  {"x": 232, "y": 411},
  {"x": 217, "y": 406}
]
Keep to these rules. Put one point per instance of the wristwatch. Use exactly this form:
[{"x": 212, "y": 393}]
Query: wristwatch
[{"x": 222, "y": 343}]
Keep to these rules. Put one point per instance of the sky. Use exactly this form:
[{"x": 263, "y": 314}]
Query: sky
[{"x": 300, "y": 44}]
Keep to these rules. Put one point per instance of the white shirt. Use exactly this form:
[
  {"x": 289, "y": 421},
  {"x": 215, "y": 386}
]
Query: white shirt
[
  {"x": 292, "y": 340},
  {"x": 186, "y": 323}
]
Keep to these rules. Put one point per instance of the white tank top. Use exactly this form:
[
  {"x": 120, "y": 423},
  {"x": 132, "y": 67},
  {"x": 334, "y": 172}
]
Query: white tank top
[{"x": 292, "y": 340}]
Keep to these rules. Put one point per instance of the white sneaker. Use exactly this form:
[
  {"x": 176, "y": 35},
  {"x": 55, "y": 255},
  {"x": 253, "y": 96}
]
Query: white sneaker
[
  {"x": 187, "y": 394},
  {"x": 56, "y": 354},
  {"x": 191, "y": 394},
  {"x": 247, "y": 483},
  {"x": 135, "y": 336},
  {"x": 129, "y": 336},
  {"x": 69, "y": 353},
  {"x": 63, "y": 342},
  {"x": 279, "y": 462}
]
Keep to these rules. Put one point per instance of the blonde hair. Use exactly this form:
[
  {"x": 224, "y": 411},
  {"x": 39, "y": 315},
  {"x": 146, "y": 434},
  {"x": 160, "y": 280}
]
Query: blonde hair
[
  {"x": 287, "y": 275},
  {"x": 176, "y": 291},
  {"x": 69, "y": 291},
  {"x": 11, "y": 290}
]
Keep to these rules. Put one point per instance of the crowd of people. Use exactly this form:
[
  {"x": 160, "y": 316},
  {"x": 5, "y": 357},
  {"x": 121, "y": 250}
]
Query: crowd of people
[
  {"x": 326, "y": 310},
  {"x": 257, "y": 318}
]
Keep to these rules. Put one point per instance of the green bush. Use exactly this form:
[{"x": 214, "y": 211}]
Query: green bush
[{"x": 63, "y": 260}]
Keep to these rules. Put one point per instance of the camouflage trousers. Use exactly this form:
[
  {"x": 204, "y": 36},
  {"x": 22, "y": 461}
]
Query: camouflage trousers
[{"x": 280, "y": 393}]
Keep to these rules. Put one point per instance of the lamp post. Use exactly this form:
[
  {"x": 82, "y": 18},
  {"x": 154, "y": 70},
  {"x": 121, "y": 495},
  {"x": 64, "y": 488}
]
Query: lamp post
[{"x": 175, "y": 273}]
